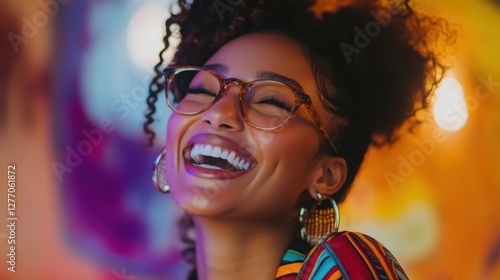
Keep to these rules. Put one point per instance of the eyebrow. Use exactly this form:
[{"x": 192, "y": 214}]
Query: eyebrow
[
  {"x": 223, "y": 69},
  {"x": 280, "y": 78},
  {"x": 219, "y": 68}
]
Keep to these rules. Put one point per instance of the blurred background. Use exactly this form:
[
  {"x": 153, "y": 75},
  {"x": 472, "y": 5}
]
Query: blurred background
[{"x": 74, "y": 77}]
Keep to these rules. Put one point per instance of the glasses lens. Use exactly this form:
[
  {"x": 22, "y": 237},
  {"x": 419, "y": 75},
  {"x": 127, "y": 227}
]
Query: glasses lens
[
  {"x": 269, "y": 104},
  {"x": 191, "y": 91}
]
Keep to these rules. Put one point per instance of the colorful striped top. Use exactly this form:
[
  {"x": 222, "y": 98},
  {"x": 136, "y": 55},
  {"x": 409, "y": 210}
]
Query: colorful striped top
[{"x": 346, "y": 255}]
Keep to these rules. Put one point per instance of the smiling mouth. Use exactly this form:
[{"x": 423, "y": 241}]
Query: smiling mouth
[{"x": 218, "y": 158}]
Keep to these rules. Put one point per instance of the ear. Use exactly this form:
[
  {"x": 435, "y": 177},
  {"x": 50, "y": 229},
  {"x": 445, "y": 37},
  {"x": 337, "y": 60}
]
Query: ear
[{"x": 328, "y": 177}]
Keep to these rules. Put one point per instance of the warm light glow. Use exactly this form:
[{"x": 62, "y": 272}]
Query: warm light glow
[
  {"x": 145, "y": 35},
  {"x": 450, "y": 110}
]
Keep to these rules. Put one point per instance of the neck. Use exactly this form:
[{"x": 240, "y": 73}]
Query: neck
[{"x": 239, "y": 250}]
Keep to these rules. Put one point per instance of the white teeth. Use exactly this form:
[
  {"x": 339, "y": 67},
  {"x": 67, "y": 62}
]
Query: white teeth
[
  {"x": 207, "y": 150},
  {"x": 224, "y": 155},
  {"x": 230, "y": 157},
  {"x": 199, "y": 150},
  {"x": 195, "y": 153},
  {"x": 216, "y": 152},
  {"x": 210, "y": 166}
]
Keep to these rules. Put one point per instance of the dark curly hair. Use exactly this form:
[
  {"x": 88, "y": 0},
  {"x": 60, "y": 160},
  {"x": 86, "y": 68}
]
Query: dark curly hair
[{"x": 371, "y": 87}]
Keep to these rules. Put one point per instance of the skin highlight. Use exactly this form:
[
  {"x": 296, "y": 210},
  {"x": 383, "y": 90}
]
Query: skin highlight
[{"x": 243, "y": 225}]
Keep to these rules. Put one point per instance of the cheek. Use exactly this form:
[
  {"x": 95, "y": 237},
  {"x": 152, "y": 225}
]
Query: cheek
[
  {"x": 289, "y": 157},
  {"x": 176, "y": 139},
  {"x": 173, "y": 135},
  {"x": 176, "y": 129},
  {"x": 296, "y": 144}
]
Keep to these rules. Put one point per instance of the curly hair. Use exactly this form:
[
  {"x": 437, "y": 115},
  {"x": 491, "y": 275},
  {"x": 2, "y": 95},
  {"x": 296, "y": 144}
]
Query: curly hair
[{"x": 375, "y": 63}]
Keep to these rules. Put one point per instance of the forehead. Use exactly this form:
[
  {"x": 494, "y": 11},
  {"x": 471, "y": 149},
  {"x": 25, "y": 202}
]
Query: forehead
[{"x": 245, "y": 56}]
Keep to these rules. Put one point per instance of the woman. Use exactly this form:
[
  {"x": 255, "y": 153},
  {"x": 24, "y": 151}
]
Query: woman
[{"x": 274, "y": 106}]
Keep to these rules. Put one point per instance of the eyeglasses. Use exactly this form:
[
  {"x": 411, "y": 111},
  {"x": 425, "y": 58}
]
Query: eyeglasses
[{"x": 265, "y": 104}]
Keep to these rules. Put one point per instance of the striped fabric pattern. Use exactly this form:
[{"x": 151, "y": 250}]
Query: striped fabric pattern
[
  {"x": 346, "y": 255},
  {"x": 292, "y": 260}
]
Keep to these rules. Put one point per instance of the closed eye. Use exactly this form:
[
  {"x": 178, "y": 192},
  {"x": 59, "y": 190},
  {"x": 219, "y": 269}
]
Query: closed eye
[
  {"x": 200, "y": 90},
  {"x": 272, "y": 100}
]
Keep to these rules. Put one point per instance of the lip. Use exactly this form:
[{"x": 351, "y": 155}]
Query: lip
[{"x": 224, "y": 143}]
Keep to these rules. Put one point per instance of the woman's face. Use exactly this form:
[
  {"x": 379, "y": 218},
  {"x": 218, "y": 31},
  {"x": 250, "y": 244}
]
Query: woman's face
[{"x": 280, "y": 162}]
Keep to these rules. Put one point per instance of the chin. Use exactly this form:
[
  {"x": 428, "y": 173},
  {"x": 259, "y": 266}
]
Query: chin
[{"x": 200, "y": 201}]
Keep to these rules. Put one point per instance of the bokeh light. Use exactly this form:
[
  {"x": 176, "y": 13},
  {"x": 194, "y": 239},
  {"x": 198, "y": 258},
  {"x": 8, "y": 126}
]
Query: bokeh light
[
  {"x": 144, "y": 33},
  {"x": 450, "y": 110}
]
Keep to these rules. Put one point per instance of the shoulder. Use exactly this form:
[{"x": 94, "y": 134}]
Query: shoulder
[{"x": 350, "y": 255}]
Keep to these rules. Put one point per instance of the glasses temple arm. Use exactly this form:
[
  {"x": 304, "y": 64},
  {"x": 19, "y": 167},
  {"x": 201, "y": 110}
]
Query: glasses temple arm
[{"x": 320, "y": 126}]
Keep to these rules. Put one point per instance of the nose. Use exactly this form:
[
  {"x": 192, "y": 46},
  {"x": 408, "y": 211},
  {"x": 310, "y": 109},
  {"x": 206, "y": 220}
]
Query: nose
[{"x": 225, "y": 113}]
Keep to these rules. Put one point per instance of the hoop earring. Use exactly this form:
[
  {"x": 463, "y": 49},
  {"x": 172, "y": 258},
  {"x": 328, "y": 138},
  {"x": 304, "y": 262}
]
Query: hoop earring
[
  {"x": 320, "y": 221},
  {"x": 159, "y": 172}
]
